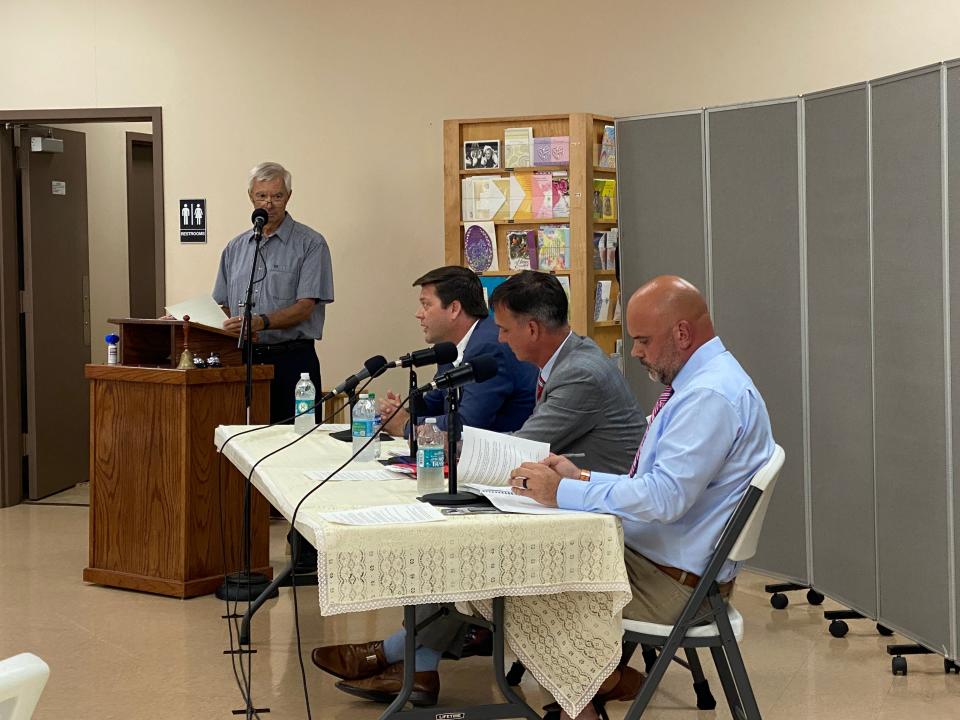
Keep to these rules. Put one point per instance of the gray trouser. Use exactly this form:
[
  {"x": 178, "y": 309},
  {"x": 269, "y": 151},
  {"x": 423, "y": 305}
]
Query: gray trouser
[{"x": 445, "y": 634}]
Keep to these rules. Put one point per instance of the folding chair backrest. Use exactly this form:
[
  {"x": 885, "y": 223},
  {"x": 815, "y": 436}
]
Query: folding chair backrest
[
  {"x": 22, "y": 678},
  {"x": 765, "y": 480}
]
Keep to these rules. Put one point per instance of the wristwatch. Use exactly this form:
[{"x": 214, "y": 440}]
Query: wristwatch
[
  {"x": 585, "y": 475},
  {"x": 265, "y": 320}
]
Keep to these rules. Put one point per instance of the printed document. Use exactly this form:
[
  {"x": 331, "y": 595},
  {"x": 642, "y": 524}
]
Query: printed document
[
  {"x": 406, "y": 514},
  {"x": 488, "y": 457},
  {"x": 381, "y": 474},
  {"x": 201, "y": 309},
  {"x": 505, "y": 500}
]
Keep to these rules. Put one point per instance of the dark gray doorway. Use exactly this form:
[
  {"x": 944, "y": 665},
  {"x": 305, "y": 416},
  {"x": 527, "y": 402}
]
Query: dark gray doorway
[{"x": 140, "y": 226}]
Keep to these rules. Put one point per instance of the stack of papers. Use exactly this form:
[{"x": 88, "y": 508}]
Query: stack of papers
[
  {"x": 406, "y": 514},
  {"x": 505, "y": 500},
  {"x": 345, "y": 474}
]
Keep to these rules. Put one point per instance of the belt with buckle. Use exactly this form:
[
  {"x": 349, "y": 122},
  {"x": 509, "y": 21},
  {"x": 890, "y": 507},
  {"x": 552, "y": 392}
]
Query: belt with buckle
[
  {"x": 282, "y": 347},
  {"x": 687, "y": 578}
]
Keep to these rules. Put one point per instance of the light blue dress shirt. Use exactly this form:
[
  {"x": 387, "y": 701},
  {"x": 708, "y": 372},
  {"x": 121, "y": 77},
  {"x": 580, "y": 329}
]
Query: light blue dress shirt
[{"x": 699, "y": 456}]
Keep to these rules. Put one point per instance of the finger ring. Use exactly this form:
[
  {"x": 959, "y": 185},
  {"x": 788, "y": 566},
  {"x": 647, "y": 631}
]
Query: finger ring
[{"x": 524, "y": 484}]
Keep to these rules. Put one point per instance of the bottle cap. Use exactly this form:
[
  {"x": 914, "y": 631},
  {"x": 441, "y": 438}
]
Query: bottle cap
[
  {"x": 112, "y": 339},
  {"x": 304, "y": 376},
  {"x": 431, "y": 421},
  {"x": 372, "y": 396}
]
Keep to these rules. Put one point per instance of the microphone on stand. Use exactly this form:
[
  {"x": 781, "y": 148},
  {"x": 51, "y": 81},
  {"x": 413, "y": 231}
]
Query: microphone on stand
[
  {"x": 373, "y": 367},
  {"x": 439, "y": 354},
  {"x": 259, "y": 219},
  {"x": 479, "y": 369}
]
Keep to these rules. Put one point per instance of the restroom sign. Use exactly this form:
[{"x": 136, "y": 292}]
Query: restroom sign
[{"x": 193, "y": 221}]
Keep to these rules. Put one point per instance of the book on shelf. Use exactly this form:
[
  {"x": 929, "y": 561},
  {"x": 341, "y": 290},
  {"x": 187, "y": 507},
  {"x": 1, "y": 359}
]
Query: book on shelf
[
  {"x": 610, "y": 249},
  {"x": 542, "y": 196},
  {"x": 608, "y": 147},
  {"x": 518, "y": 144},
  {"x": 480, "y": 246},
  {"x": 565, "y": 284},
  {"x": 605, "y": 200},
  {"x": 522, "y": 250},
  {"x": 489, "y": 284},
  {"x": 560, "y": 150},
  {"x": 616, "y": 309},
  {"x": 541, "y": 151},
  {"x": 601, "y": 303},
  {"x": 553, "y": 247},
  {"x": 561, "y": 195},
  {"x": 599, "y": 250}
]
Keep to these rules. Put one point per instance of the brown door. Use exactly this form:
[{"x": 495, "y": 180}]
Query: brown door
[
  {"x": 56, "y": 306},
  {"x": 141, "y": 241}
]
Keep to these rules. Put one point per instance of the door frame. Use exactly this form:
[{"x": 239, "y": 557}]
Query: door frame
[
  {"x": 131, "y": 139},
  {"x": 11, "y": 438}
]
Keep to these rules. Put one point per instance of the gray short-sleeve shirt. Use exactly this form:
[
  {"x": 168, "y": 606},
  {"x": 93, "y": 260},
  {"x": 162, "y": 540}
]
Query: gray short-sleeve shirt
[{"x": 295, "y": 265}]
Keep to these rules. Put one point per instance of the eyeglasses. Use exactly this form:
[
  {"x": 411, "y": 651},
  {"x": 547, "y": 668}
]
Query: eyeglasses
[{"x": 276, "y": 198}]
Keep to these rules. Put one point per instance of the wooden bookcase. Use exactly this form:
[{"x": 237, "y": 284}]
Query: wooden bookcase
[{"x": 585, "y": 132}]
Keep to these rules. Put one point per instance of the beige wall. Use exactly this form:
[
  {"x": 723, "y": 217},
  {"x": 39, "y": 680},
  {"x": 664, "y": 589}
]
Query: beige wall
[{"x": 351, "y": 96}]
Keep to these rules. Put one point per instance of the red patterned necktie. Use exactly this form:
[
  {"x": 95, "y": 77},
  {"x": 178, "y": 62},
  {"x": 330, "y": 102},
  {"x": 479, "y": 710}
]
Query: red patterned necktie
[
  {"x": 657, "y": 407},
  {"x": 540, "y": 384}
]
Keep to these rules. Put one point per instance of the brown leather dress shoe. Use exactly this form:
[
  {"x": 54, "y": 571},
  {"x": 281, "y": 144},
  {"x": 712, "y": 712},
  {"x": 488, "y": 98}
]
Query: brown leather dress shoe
[
  {"x": 385, "y": 687},
  {"x": 351, "y": 662}
]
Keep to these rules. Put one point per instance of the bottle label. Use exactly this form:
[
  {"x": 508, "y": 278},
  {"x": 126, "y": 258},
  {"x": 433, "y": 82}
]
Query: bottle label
[
  {"x": 430, "y": 457},
  {"x": 362, "y": 428},
  {"x": 305, "y": 407}
]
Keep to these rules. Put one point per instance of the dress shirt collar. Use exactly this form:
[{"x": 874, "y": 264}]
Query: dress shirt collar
[
  {"x": 283, "y": 232},
  {"x": 548, "y": 368},
  {"x": 462, "y": 345},
  {"x": 704, "y": 354}
]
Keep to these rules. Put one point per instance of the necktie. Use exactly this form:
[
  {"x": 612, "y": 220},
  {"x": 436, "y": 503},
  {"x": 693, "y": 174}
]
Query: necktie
[
  {"x": 540, "y": 384},
  {"x": 657, "y": 407}
]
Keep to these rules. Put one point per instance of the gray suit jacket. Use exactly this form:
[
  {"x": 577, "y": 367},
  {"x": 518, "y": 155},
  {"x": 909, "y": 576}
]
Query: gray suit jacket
[{"x": 587, "y": 407}]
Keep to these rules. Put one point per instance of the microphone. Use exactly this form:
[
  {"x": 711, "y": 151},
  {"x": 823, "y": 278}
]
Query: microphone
[
  {"x": 371, "y": 368},
  {"x": 259, "y": 219},
  {"x": 439, "y": 354},
  {"x": 481, "y": 368}
]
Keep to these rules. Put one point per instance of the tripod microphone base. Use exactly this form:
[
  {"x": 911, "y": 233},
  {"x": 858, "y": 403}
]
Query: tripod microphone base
[
  {"x": 447, "y": 498},
  {"x": 241, "y": 587}
]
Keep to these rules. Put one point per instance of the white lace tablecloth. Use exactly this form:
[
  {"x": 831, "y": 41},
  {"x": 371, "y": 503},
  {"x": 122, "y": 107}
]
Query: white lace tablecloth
[{"x": 563, "y": 575}]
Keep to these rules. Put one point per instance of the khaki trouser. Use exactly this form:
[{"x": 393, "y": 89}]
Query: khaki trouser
[{"x": 657, "y": 597}]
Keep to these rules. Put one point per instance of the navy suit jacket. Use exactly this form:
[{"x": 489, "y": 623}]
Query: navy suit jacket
[{"x": 502, "y": 403}]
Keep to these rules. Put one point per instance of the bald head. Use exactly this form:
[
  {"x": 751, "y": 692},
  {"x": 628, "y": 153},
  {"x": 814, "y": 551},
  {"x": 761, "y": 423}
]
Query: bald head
[{"x": 668, "y": 321}]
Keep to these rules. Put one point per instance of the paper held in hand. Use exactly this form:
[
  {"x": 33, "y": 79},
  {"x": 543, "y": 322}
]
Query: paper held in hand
[
  {"x": 488, "y": 457},
  {"x": 202, "y": 309}
]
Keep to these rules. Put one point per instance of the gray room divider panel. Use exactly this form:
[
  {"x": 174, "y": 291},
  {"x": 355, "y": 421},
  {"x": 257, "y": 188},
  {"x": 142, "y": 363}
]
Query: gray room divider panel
[
  {"x": 755, "y": 248},
  {"x": 910, "y": 403},
  {"x": 660, "y": 184},
  {"x": 842, "y": 508},
  {"x": 953, "y": 199}
]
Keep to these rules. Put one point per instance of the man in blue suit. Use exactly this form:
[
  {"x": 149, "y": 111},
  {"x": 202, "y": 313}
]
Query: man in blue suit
[{"x": 452, "y": 310}]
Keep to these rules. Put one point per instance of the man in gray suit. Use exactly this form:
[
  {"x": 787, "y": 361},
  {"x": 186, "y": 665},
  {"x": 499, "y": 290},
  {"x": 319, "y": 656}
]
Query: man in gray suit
[{"x": 584, "y": 405}]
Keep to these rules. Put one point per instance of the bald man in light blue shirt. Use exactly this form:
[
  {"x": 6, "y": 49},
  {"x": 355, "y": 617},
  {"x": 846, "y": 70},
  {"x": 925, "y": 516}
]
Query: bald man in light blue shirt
[{"x": 710, "y": 435}]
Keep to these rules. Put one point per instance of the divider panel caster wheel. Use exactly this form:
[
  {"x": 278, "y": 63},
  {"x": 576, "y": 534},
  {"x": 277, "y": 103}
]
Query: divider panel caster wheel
[
  {"x": 950, "y": 666},
  {"x": 899, "y": 665},
  {"x": 814, "y": 598},
  {"x": 779, "y": 601},
  {"x": 838, "y": 628},
  {"x": 885, "y": 631}
]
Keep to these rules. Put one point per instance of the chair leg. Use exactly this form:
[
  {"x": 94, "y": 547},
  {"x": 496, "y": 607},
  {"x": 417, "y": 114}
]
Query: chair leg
[
  {"x": 749, "y": 701},
  {"x": 649, "y": 654},
  {"x": 628, "y": 648},
  {"x": 726, "y": 680},
  {"x": 654, "y": 675},
  {"x": 701, "y": 686}
]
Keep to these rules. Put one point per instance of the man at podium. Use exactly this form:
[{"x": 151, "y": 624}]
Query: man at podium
[{"x": 293, "y": 283}]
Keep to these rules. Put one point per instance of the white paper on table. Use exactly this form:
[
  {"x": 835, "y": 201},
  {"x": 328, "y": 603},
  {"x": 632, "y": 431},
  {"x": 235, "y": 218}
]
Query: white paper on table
[
  {"x": 202, "y": 309},
  {"x": 334, "y": 427},
  {"x": 386, "y": 515},
  {"x": 383, "y": 474},
  {"x": 505, "y": 500},
  {"x": 488, "y": 457}
]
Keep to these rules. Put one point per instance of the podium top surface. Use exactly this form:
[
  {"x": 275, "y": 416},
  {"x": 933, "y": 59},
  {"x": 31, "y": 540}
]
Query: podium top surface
[
  {"x": 168, "y": 323},
  {"x": 173, "y": 376}
]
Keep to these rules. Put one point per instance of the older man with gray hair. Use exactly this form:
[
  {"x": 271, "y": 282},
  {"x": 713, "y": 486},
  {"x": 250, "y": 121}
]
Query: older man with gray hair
[{"x": 295, "y": 283}]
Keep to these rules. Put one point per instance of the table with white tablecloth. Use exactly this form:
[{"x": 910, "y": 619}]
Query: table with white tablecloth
[{"x": 563, "y": 575}]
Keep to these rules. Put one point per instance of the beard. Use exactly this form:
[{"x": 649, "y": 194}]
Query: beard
[{"x": 667, "y": 368}]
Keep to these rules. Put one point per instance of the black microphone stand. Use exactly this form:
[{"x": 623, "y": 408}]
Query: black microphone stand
[
  {"x": 414, "y": 396},
  {"x": 246, "y": 585},
  {"x": 452, "y": 496}
]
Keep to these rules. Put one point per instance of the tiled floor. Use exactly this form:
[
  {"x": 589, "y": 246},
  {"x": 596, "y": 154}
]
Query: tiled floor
[{"x": 130, "y": 656}]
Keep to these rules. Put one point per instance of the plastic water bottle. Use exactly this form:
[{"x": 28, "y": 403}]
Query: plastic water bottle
[
  {"x": 366, "y": 424},
  {"x": 304, "y": 396},
  {"x": 429, "y": 457},
  {"x": 113, "y": 352}
]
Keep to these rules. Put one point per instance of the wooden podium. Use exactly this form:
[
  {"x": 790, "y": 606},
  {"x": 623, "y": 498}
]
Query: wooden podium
[{"x": 158, "y": 495}]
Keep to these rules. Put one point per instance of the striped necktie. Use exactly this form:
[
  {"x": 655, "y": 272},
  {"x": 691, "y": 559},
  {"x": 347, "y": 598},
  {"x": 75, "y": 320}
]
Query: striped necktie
[
  {"x": 540, "y": 385},
  {"x": 657, "y": 407}
]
